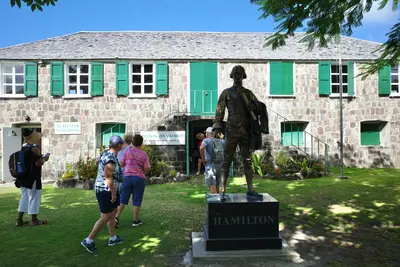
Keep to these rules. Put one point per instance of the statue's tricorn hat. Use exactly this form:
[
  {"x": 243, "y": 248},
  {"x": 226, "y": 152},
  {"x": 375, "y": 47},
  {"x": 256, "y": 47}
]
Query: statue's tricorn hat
[{"x": 238, "y": 68}]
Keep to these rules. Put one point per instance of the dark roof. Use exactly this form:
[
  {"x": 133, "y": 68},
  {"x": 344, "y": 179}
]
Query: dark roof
[{"x": 180, "y": 46}]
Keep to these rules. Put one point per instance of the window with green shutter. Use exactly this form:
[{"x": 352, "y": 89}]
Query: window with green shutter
[
  {"x": 31, "y": 79},
  {"x": 370, "y": 133},
  {"x": 281, "y": 78},
  {"x": 122, "y": 78},
  {"x": 97, "y": 79},
  {"x": 161, "y": 78},
  {"x": 57, "y": 78},
  {"x": 329, "y": 78},
  {"x": 292, "y": 133}
]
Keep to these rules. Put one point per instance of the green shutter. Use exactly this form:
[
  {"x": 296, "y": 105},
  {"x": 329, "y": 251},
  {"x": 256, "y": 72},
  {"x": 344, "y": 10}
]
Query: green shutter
[
  {"x": 275, "y": 74},
  {"x": 370, "y": 134},
  {"x": 96, "y": 78},
  {"x": 350, "y": 78},
  {"x": 57, "y": 78},
  {"x": 384, "y": 81},
  {"x": 324, "y": 78},
  {"x": 31, "y": 79},
  {"x": 292, "y": 134},
  {"x": 287, "y": 78},
  {"x": 161, "y": 78},
  {"x": 122, "y": 78}
]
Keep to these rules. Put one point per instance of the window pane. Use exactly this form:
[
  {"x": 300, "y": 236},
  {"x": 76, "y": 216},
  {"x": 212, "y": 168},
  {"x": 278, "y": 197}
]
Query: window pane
[
  {"x": 84, "y": 79},
  {"x": 72, "y": 68},
  {"x": 344, "y": 68},
  {"x": 84, "y": 68},
  {"x": 148, "y": 89},
  {"x": 334, "y": 69},
  {"x": 72, "y": 90},
  {"x": 148, "y": 68},
  {"x": 395, "y": 69},
  {"x": 335, "y": 89},
  {"x": 84, "y": 90},
  {"x": 19, "y": 68},
  {"x": 136, "y": 68},
  {"x": 19, "y": 89},
  {"x": 136, "y": 78},
  {"x": 148, "y": 78},
  {"x": 19, "y": 79},
  {"x": 344, "y": 89},
  {"x": 335, "y": 78},
  {"x": 72, "y": 79},
  {"x": 8, "y": 89},
  {"x": 344, "y": 77},
  {"x": 395, "y": 89},
  {"x": 136, "y": 89},
  {"x": 8, "y": 79},
  {"x": 395, "y": 78}
]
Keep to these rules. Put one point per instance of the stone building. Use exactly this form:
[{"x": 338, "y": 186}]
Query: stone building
[{"x": 79, "y": 89}]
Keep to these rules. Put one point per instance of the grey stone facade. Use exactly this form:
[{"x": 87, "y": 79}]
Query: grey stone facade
[{"x": 321, "y": 114}]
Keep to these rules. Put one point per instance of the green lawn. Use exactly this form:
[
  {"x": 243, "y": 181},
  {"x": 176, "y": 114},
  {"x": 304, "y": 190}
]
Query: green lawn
[{"x": 353, "y": 222}]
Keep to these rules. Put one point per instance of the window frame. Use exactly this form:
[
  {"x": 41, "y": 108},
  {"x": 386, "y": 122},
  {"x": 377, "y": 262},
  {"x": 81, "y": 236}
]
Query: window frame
[
  {"x": 66, "y": 80},
  {"x": 398, "y": 82},
  {"x": 380, "y": 128},
  {"x": 332, "y": 94},
  {"x": 14, "y": 84},
  {"x": 142, "y": 94}
]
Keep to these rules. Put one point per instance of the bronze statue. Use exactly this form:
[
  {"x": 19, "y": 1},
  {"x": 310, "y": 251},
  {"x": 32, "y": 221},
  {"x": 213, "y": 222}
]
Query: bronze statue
[{"x": 242, "y": 127}]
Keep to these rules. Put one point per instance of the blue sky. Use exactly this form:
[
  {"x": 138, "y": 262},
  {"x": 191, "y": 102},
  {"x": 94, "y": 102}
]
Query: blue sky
[{"x": 70, "y": 16}]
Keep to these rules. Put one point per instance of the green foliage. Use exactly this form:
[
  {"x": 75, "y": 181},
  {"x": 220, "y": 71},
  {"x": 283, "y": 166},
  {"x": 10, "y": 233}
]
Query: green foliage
[
  {"x": 325, "y": 21},
  {"x": 157, "y": 166},
  {"x": 69, "y": 172},
  {"x": 172, "y": 173},
  {"x": 102, "y": 149},
  {"x": 87, "y": 169},
  {"x": 256, "y": 163},
  {"x": 34, "y": 4}
]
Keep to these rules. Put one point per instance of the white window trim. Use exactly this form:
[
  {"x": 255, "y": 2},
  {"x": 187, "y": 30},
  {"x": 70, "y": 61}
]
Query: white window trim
[
  {"x": 334, "y": 95},
  {"x": 66, "y": 80},
  {"x": 142, "y": 95},
  {"x": 398, "y": 82},
  {"x": 269, "y": 83},
  {"x": 2, "y": 63}
]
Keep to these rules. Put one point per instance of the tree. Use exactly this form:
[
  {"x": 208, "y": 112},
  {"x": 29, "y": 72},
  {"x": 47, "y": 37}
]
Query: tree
[
  {"x": 34, "y": 4},
  {"x": 325, "y": 21}
]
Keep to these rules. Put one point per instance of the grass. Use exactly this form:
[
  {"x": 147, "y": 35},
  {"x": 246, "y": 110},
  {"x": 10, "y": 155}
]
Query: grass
[{"x": 332, "y": 222}]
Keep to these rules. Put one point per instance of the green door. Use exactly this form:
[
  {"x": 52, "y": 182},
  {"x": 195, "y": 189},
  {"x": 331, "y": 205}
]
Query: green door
[
  {"x": 187, "y": 149},
  {"x": 203, "y": 88},
  {"x": 110, "y": 129},
  {"x": 292, "y": 134}
]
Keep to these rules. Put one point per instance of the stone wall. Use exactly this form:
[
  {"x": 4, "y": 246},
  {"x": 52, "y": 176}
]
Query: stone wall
[{"x": 321, "y": 113}]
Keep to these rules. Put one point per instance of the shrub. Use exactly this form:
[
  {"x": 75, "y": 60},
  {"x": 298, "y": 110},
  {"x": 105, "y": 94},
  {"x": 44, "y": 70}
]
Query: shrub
[
  {"x": 69, "y": 172},
  {"x": 172, "y": 173},
  {"x": 87, "y": 169},
  {"x": 256, "y": 163},
  {"x": 158, "y": 168}
]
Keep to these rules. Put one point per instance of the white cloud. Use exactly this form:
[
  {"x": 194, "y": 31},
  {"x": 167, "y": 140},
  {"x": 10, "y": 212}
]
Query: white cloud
[{"x": 385, "y": 15}]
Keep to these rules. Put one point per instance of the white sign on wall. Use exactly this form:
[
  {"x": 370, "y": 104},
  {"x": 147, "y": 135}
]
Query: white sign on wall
[
  {"x": 67, "y": 128},
  {"x": 163, "y": 138}
]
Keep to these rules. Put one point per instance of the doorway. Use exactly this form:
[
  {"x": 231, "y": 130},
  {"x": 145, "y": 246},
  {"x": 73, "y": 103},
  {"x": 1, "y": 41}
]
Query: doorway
[{"x": 12, "y": 141}]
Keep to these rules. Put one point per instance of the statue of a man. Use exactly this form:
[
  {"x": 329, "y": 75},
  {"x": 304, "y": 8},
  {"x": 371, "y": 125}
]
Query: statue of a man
[{"x": 238, "y": 127}]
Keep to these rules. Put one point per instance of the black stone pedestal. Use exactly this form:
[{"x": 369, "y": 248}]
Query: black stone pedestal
[{"x": 242, "y": 223}]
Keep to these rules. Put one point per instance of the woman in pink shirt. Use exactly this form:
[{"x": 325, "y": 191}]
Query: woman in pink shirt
[{"x": 136, "y": 165}]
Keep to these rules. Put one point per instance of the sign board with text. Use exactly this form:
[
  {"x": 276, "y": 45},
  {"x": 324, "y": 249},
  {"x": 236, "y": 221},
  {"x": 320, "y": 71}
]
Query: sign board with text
[
  {"x": 67, "y": 128},
  {"x": 166, "y": 138}
]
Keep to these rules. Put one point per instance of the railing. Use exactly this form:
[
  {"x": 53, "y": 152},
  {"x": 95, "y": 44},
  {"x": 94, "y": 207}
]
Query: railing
[{"x": 302, "y": 140}]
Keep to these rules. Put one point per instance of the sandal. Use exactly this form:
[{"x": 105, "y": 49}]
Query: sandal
[
  {"x": 20, "y": 223},
  {"x": 38, "y": 222},
  {"x": 116, "y": 222}
]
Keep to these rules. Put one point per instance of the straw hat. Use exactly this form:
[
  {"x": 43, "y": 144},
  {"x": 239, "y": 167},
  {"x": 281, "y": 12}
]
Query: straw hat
[{"x": 31, "y": 137}]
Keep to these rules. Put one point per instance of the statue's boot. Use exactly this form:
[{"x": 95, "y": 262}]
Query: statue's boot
[
  {"x": 224, "y": 180},
  {"x": 249, "y": 180}
]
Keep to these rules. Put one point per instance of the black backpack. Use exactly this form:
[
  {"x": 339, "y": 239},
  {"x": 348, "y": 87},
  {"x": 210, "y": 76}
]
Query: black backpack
[{"x": 18, "y": 164}]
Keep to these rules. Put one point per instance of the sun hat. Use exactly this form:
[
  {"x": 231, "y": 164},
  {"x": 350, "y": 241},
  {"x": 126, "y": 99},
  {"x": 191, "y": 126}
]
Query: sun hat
[{"x": 209, "y": 130}]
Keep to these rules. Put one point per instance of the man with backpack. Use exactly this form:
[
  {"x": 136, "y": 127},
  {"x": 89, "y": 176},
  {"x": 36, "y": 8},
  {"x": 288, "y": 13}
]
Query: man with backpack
[
  {"x": 28, "y": 168},
  {"x": 212, "y": 155}
]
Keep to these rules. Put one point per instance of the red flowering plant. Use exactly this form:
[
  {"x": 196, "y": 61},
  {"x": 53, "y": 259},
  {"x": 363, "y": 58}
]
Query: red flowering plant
[{"x": 87, "y": 168}]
